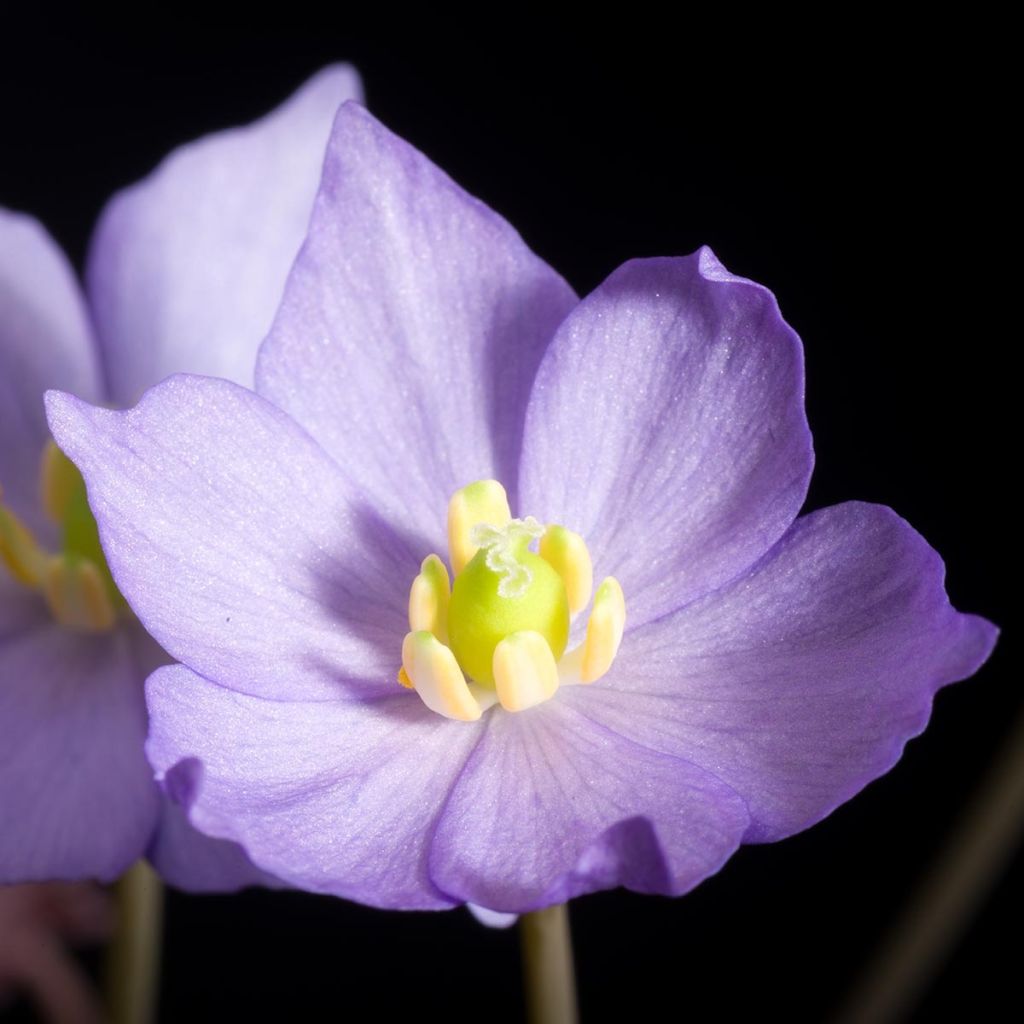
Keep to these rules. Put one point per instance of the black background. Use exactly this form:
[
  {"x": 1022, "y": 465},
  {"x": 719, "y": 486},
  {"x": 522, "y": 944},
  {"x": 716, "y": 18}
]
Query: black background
[{"x": 859, "y": 174}]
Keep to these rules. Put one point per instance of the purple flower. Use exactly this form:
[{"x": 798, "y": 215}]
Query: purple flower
[
  {"x": 185, "y": 272},
  {"x": 769, "y": 666}
]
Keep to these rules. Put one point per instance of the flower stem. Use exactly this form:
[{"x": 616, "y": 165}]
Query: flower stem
[
  {"x": 961, "y": 878},
  {"x": 133, "y": 958},
  {"x": 547, "y": 966}
]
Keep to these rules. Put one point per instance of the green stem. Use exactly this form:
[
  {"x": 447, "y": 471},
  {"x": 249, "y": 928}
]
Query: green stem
[
  {"x": 547, "y": 966},
  {"x": 133, "y": 958}
]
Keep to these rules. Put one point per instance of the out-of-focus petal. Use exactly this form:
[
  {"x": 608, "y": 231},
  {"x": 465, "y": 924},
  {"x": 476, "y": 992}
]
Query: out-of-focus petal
[
  {"x": 331, "y": 797},
  {"x": 551, "y": 805},
  {"x": 77, "y": 798},
  {"x": 667, "y": 427},
  {"x": 187, "y": 859},
  {"x": 411, "y": 327},
  {"x": 800, "y": 682},
  {"x": 21, "y": 609},
  {"x": 187, "y": 267},
  {"x": 45, "y": 342},
  {"x": 237, "y": 542}
]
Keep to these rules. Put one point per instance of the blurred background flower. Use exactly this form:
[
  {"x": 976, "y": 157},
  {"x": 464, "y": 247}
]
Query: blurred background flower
[{"x": 184, "y": 272}]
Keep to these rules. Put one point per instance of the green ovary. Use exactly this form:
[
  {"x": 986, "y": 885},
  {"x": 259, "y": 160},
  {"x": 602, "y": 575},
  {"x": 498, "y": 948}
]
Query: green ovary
[
  {"x": 79, "y": 533},
  {"x": 479, "y": 617},
  {"x": 75, "y": 581}
]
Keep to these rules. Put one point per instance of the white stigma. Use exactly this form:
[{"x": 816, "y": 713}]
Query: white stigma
[{"x": 502, "y": 545}]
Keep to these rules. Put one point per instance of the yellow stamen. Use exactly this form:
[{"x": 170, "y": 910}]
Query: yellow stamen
[
  {"x": 429, "y": 597},
  {"x": 592, "y": 658},
  {"x": 19, "y": 551},
  {"x": 436, "y": 675},
  {"x": 604, "y": 630},
  {"x": 75, "y": 591},
  {"x": 75, "y": 584},
  {"x": 525, "y": 673},
  {"x": 58, "y": 480},
  {"x": 566, "y": 553},
  {"x": 496, "y": 629},
  {"x": 482, "y": 502}
]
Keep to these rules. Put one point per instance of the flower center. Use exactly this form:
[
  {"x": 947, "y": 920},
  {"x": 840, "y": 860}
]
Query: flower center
[
  {"x": 76, "y": 583},
  {"x": 505, "y": 622},
  {"x": 505, "y": 589}
]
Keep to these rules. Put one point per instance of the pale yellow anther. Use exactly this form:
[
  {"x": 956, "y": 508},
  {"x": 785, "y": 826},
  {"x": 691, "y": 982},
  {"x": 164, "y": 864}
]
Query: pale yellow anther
[
  {"x": 19, "y": 551},
  {"x": 604, "y": 631},
  {"x": 58, "y": 480},
  {"x": 76, "y": 594},
  {"x": 482, "y": 502},
  {"x": 592, "y": 658},
  {"x": 429, "y": 597},
  {"x": 437, "y": 678},
  {"x": 525, "y": 673},
  {"x": 566, "y": 553}
]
